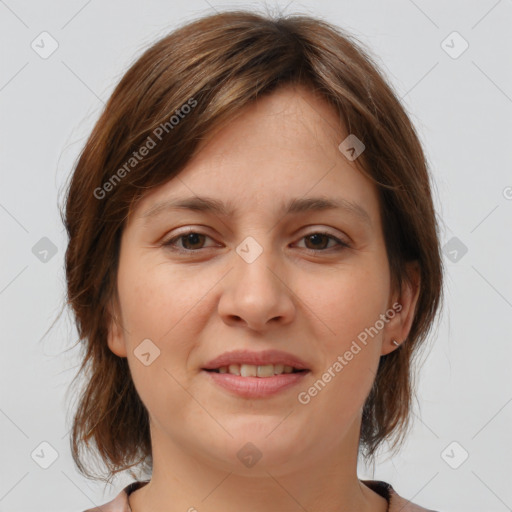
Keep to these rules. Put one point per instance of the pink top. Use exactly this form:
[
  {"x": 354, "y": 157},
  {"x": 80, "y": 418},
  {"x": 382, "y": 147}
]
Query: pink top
[{"x": 395, "y": 502}]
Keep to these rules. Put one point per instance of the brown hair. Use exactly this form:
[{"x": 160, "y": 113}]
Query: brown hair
[{"x": 217, "y": 65}]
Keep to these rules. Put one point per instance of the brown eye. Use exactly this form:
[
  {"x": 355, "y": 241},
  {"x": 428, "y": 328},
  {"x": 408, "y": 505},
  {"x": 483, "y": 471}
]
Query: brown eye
[
  {"x": 318, "y": 242},
  {"x": 193, "y": 241},
  {"x": 190, "y": 242}
]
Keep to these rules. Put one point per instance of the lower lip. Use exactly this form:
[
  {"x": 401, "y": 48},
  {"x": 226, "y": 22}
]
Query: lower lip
[{"x": 256, "y": 387}]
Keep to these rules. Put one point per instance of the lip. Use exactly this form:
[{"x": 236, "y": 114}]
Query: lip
[
  {"x": 256, "y": 387},
  {"x": 256, "y": 358}
]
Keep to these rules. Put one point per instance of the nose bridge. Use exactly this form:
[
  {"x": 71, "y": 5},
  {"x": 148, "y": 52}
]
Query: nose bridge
[
  {"x": 254, "y": 263},
  {"x": 255, "y": 293}
]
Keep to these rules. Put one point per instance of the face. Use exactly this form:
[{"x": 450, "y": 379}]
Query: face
[{"x": 313, "y": 283}]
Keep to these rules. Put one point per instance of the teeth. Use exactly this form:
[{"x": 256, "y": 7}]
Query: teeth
[
  {"x": 278, "y": 368},
  {"x": 234, "y": 369},
  {"x": 265, "y": 371},
  {"x": 248, "y": 370},
  {"x": 251, "y": 370}
]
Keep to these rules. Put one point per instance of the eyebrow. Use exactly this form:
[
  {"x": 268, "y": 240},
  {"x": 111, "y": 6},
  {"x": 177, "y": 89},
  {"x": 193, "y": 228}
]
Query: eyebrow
[{"x": 294, "y": 206}]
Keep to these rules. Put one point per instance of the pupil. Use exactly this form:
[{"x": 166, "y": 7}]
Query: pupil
[
  {"x": 192, "y": 238},
  {"x": 316, "y": 238}
]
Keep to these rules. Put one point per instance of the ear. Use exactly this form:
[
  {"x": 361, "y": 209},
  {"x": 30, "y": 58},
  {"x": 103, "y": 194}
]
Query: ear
[
  {"x": 399, "y": 325},
  {"x": 115, "y": 338}
]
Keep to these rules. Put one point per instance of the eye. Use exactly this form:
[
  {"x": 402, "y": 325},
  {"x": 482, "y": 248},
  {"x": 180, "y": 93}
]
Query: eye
[
  {"x": 318, "y": 239},
  {"x": 192, "y": 241}
]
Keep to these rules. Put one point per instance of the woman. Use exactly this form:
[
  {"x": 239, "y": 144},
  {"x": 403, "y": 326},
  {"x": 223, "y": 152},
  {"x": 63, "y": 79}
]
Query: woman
[{"x": 253, "y": 262}]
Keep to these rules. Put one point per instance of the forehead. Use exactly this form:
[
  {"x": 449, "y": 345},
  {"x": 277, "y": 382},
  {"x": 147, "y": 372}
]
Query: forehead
[{"x": 279, "y": 149}]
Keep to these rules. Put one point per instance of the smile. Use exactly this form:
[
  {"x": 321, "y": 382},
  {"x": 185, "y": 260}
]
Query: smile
[
  {"x": 247, "y": 384},
  {"x": 251, "y": 370}
]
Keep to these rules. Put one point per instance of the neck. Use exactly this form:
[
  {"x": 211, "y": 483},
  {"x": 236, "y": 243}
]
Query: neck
[{"x": 186, "y": 481}]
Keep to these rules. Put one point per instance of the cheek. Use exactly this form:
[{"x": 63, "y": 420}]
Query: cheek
[
  {"x": 349, "y": 306},
  {"x": 348, "y": 302},
  {"x": 156, "y": 296},
  {"x": 164, "y": 303}
]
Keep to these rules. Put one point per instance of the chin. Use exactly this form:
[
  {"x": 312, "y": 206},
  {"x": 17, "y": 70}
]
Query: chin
[{"x": 263, "y": 444}]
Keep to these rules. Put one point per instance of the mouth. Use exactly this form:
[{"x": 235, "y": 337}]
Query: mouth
[
  {"x": 261, "y": 371},
  {"x": 250, "y": 374},
  {"x": 249, "y": 381}
]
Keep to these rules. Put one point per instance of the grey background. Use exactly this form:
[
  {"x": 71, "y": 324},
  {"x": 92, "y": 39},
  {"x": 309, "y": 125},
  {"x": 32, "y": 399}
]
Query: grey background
[{"x": 462, "y": 108}]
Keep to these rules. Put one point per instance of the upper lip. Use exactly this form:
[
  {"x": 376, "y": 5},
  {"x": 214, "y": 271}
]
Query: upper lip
[{"x": 256, "y": 358}]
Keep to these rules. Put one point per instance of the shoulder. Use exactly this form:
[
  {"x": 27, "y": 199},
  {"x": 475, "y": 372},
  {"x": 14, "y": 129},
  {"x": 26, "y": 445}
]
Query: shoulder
[
  {"x": 396, "y": 502},
  {"x": 120, "y": 503}
]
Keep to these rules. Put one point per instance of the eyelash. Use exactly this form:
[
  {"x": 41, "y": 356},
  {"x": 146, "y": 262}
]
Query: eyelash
[{"x": 170, "y": 243}]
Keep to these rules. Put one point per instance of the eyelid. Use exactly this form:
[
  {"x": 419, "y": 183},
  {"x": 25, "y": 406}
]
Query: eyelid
[
  {"x": 176, "y": 236},
  {"x": 315, "y": 229},
  {"x": 340, "y": 243}
]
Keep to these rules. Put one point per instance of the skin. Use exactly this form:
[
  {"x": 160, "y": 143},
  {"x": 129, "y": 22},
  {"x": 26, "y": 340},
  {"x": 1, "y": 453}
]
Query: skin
[{"x": 198, "y": 305}]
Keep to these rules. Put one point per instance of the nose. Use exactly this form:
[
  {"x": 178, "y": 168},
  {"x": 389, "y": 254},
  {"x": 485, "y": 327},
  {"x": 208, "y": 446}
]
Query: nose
[{"x": 257, "y": 294}]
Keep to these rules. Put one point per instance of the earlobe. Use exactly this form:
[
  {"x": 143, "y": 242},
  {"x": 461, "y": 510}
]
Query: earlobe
[
  {"x": 399, "y": 326},
  {"x": 115, "y": 337}
]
